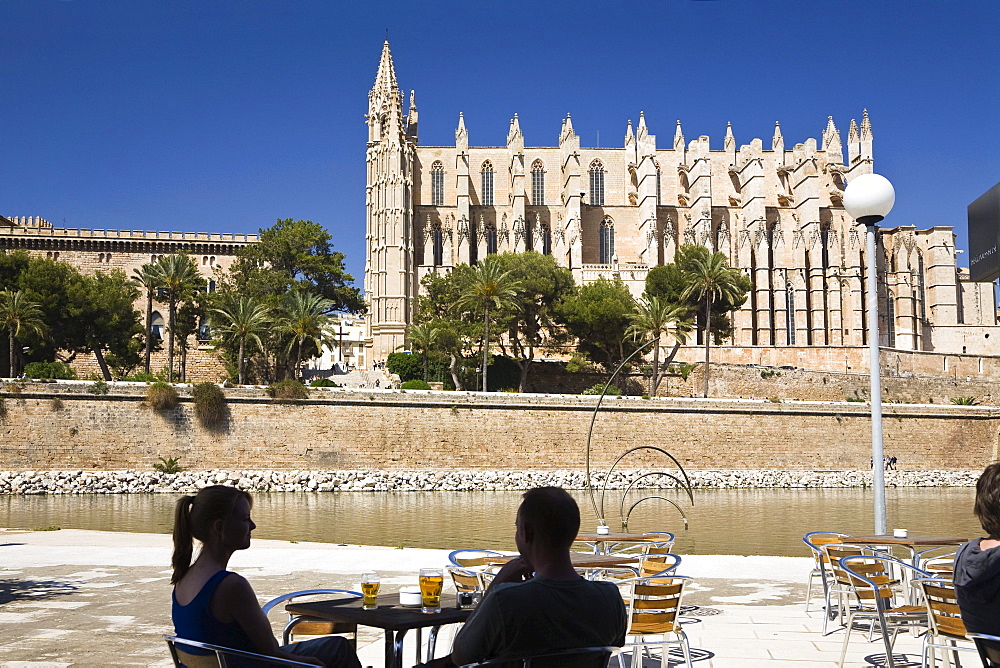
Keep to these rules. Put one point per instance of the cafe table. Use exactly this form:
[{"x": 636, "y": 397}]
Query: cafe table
[
  {"x": 604, "y": 542},
  {"x": 587, "y": 560},
  {"x": 393, "y": 618},
  {"x": 909, "y": 542}
]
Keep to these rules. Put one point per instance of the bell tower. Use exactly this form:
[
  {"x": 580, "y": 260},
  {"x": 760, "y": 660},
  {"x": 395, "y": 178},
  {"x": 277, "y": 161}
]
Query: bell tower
[{"x": 390, "y": 287}]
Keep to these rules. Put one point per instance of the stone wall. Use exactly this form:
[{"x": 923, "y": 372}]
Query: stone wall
[{"x": 60, "y": 426}]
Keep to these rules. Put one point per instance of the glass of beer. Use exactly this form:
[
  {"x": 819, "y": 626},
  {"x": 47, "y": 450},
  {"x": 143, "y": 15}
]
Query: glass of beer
[
  {"x": 369, "y": 587},
  {"x": 431, "y": 583}
]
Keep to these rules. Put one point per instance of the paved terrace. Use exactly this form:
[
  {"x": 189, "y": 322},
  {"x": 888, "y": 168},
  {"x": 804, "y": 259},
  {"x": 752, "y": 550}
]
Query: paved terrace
[{"x": 90, "y": 598}]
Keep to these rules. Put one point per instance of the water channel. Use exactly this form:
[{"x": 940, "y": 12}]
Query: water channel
[{"x": 750, "y": 521}]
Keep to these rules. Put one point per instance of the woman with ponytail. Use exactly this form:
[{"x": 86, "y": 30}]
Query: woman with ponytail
[{"x": 217, "y": 606}]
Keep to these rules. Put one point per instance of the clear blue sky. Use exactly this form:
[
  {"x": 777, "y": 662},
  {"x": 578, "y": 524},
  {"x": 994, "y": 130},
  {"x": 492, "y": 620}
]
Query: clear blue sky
[{"x": 224, "y": 115}]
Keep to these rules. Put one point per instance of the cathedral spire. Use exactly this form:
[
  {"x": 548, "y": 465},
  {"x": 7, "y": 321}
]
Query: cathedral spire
[
  {"x": 729, "y": 143},
  {"x": 777, "y": 141},
  {"x": 641, "y": 131},
  {"x": 678, "y": 138},
  {"x": 515, "y": 130},
  {"x": 411, "y": 117},
  {"x": 461, "y": 134},
  {"x": 866, "y": 127},
  {"x": 385, "y": 102},
  {"x": 831, "y": 142},
  {"x": 385, "y": 80},
  {"x": 629, "y": 135}
]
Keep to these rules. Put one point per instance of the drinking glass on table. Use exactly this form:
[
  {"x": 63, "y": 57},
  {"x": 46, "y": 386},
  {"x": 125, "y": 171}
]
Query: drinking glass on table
[
  {"x": 369, "y": 587},
  {"x": 431, "y": 584}
]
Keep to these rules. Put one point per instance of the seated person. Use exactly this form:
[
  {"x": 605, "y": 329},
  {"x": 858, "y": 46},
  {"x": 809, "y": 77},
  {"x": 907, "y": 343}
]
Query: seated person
[
  {"x": 538, "y": 603},
  {"x": 219, "y": 607},
  {"x": 977, "y": 564}
]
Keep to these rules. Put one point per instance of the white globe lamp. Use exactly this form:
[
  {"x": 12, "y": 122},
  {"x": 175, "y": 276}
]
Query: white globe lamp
[{"x": 869, "y": 198}]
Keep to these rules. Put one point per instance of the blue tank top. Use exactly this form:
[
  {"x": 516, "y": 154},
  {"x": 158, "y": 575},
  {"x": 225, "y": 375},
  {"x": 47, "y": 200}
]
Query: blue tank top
[{"x": 195, "y": 620}]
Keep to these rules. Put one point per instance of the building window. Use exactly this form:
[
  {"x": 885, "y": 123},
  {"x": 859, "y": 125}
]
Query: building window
[
  {"x": 437, "y": 184},
  {"x": 659, "y": 201},
  {"x": 790, "y": 314},
  {"x": 546, "y": 239},
  {"x": 438, "y": 240},
  {"x": 537, "y": 183},
  {"x": 156, "y": 325},
  {"x": 204, "y": 329},
  {"x": 487, "y": 190},
  {"x": 890, "y": 317},
  {"x": 607, "y": 241},
  {"x": 596, "y": 183},
  {"x": 491, "y": 239}
]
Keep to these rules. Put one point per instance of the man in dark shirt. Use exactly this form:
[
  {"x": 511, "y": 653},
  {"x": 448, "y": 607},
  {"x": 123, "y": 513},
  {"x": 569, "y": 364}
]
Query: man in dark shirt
[
  {"x": 538, "y": 603},
  {"x": 977, "y": 564}
]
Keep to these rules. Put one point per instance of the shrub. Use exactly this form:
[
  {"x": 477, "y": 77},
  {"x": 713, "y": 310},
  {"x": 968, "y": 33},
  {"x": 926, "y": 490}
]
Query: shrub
[
  {"x": 59, "y": 370},
  {"x": 407, "y": 366},
  {"x": 415, "y": 385},
  {"x": 323, "y": 382},
  {"x": 965, "y": 401},
  {"x": 98, "y": 387},
  {"x": 141, "y": 377},
  {"x": 169, "y": 465},
  {"x": 57, "y": 404},
  {"x": 209, "y": 405},
  {"x": 287, "y": 389},
  {"x": 578, "y": 362},
  {"x": 686, "y": 370},
  {"x": 613, "y": 391},
  {"x": 161, "y": 396}
]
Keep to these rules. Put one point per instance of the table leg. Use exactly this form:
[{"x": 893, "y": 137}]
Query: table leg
[{"x": 419, "y": 643}]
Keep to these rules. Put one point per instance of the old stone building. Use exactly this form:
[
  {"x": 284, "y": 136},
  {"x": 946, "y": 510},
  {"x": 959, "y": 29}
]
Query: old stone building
[
  {"x": 104, "y": 250},
  {"x": 774, "y": 209}
]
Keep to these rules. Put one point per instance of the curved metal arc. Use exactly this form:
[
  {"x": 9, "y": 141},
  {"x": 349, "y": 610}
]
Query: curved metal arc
[
  {"x": 593, "y": 418},
  {"x": 687, "y": 486},
  {"x": 624, "y": 518},
  {"x": 621, "y": 508}
]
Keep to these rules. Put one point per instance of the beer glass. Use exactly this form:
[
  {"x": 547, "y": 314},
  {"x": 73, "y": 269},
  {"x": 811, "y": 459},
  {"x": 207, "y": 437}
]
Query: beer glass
[
  {"x": 369, "y": 587},
  {"x": 431, "y": 584}
]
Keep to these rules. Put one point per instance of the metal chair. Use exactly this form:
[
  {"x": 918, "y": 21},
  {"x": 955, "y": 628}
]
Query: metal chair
[
  {"x": 472, "y": 558},
  {"x": 817, "y": 541},
  {"x": 583, "y": 657},
  {"x": 871, "y": 579},
  {"x": 653, "y": 605},
  {"x": 945, "y": 627},
  {"x": 989, "y": 648},
  {"x": 214, "y": 656},
  {"x": 310, "y": 626}
]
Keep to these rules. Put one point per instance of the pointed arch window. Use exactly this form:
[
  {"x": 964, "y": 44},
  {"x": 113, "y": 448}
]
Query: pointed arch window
[
  {"x": 487, "y": 182},
  {"x": 491, "y": 239},
  {"x": 437, "y": 184},
  {"x": 659, "y": 174},
  {"x": 537, "y": 183},
  {"x": 790, "y": 314},
  {"x": 596, "y": 183},
  {"x": 546, "y": 239},
  {"x": 437, "y": 238},
  {"x": 607, "y": 250},
  {"x": 890, "y": 317}
]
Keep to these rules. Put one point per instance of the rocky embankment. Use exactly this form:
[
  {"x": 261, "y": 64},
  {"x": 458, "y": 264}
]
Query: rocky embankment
[{"x": 143, "y": 482}]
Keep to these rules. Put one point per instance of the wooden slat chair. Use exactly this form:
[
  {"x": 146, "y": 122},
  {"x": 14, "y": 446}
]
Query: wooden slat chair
[
  {"x": 653, "y": 607},
  {"x": 871, "y": 580},
  {"x": 472, "y": 558},
  {"x": 194, "y": 654},
  {"x": 651, "y": 565},
  {"x": 465, "y": 579},
  {"x": 837, "y": 583},
  {"x": 584, "y": 657},
  {"x": 817, "y": 541},
  {"x": 659, "y": 542},
  {"x": 945, "y": 628},
  {"x": 989, "y": 648},
  {"x": 308, "y": 626}
]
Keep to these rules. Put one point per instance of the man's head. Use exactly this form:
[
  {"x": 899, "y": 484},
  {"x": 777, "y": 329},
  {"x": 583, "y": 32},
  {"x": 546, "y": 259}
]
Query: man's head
[
  {"x": 987, "y": 506},
  {"x": 548, "y": 518}
]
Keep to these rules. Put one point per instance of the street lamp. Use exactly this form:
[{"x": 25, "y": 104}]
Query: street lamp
[{"x": 869, "y": 199}]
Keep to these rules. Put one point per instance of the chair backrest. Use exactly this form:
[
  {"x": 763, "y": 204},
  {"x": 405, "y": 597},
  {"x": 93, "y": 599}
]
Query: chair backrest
[
  {"x": 465, "y": 580},
  {"x": 870, "y": 576},
  {"x": 582, "y": 657},
  {"x": 817, "y": 542},
  {"x": 989, "y": 648},
  {"x": 663, "y": 542},
  {"x": 942, "y": 607},
  {"x": 835, "y": 552},
  {"x": 267, "y": 607},
  {"x": 653, "y": 605},
  {"x": 472, "y": 558},
  {"x": 657, "y": 564},
  {"x": 205, "y": 655}
]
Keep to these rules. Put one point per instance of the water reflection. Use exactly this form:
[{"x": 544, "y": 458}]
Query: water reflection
[{"x": 765, "y": 521}]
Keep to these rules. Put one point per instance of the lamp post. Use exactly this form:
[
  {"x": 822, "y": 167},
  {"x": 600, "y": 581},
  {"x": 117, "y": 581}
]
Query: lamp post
[{"x": 868, "y": 199}]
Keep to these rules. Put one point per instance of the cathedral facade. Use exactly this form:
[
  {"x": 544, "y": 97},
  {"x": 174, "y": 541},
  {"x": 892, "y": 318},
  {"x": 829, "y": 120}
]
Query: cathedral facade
[{"x": 774, "y": 208}]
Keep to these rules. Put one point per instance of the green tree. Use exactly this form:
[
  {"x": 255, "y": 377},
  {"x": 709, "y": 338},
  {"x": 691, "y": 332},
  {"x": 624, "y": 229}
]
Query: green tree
[
  {"x": 423, "y": 339},
  {"x": 305, "y": 316},
  {"x": 709, "y": 279},
  {"x": 147, "y": 278},
  {"x": 53, "y": 286},
  {"x": 189, "y": 317},
  {"x": 17, "y": 313},
  {"x": 295, "y": 255},
  {"x": 654, "y": 317},
  {"x": 532, "y": 320},
  {"x": 490, "y": 287},
  {"x": 105, "y": 320},
  {"x": 458, "y": 330},
  {"x": 241, "y": 319},
  {"x": 179, "y": 280},
  {"x": 598, "y": 315}
]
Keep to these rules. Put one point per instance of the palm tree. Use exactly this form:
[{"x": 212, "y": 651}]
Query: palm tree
[
  {"x": 710, "y": 278},
  {"x": 178, "y": 277},
  {"x": 242, "y": 318},
  {"x": 655, "y": 316},
  {"x": 17, "y": 312},
  {"x": 490, "y": 286},
  {"x": 305, "y": 316},
  {"x": 423, "y": 338},
  {"x": 147, "y": 278}
]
